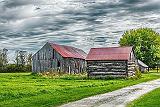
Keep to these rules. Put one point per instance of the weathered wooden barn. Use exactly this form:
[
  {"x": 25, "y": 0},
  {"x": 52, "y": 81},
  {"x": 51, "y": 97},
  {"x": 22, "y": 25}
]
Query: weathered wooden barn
[
  {"x": 111, "y": 62},
  {"x": 61, "y": 58},
  {"x": 142, "y": 66}
]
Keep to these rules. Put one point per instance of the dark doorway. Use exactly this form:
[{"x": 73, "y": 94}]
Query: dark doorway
[{"x": 58, "y": 64}]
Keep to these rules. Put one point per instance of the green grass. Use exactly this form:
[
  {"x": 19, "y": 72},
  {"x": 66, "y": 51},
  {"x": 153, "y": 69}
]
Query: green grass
[
  {"x": 26, "y": 90},
  {"x": 151, "y": 99}
]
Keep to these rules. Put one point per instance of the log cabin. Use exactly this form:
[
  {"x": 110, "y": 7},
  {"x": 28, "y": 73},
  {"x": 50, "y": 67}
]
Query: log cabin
[
  {"x": 59, "y": 58},
  {"x": 111, "y": 62}
]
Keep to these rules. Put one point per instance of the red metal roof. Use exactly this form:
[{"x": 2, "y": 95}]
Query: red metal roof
[
  {"x": 109, "y": 53},
  {"x": 68, "y": 51}
]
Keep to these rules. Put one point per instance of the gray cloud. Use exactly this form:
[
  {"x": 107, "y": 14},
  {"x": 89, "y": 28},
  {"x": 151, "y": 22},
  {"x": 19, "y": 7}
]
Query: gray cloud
[{"x": 28, "y": 24}]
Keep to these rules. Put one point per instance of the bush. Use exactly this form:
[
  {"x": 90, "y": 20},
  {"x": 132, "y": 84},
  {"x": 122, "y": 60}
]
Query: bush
[
  {"x": 138, "y": 73},
  {"x": 11, "y": 68}
]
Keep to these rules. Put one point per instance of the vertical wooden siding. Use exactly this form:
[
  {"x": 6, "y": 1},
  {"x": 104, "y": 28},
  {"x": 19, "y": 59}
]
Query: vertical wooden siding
[{"x": 47, "y": 59}]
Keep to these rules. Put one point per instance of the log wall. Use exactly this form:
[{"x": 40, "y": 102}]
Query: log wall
[
  {"x": 131, "y": 68},
  {"x": 107, "y": 68},
  {"x": 111, "y": 68}
]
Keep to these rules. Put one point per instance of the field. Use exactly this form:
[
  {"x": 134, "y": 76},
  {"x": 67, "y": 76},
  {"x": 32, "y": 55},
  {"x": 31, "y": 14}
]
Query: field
[
  {"x": 151, "y": 99},
  {"x": 27, "y": 90}
]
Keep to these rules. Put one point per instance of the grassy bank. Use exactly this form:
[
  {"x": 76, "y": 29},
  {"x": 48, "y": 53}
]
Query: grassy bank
[
  {"x": 24, "y": 89},
  {"x": 151, "y": 99}
]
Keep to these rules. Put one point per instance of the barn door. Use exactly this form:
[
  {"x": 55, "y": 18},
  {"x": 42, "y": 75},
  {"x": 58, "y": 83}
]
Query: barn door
[{"x": 58, "y": 66}]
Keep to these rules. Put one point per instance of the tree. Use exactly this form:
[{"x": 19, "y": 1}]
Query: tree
[
  {"x": 29, "y": 59},
  {"x": 21, "y": 57},
  {"x": 145, "y": 42},
  {"x": 3, "y": 57}
]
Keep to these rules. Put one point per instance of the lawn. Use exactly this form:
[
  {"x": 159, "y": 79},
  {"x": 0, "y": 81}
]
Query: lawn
[
  {"x": 26, "y": 90},
  {"x": 151, "y": 99}
]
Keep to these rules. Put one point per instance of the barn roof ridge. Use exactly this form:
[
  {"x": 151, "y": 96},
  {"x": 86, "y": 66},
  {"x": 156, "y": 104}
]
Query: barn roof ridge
[
  {"x": 110, "y": 53},
  {"x": 63, "y": 45},
  {"x": 112, "y": 47},
  {"x": 68, "y": 51}
]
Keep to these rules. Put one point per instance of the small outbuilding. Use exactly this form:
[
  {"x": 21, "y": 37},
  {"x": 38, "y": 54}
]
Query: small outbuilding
[
  {"x": 111, "y": 62},
  {"x": 142, "y": 66},
  {"x": 61, "y": 58}
]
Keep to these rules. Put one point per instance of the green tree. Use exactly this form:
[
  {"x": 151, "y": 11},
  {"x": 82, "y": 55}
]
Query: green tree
[{"x": 146, "y": 44}]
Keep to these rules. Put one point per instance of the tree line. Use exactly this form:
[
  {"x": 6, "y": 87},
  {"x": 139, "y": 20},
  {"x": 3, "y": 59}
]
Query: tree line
[{"x": 22, "y": 61}]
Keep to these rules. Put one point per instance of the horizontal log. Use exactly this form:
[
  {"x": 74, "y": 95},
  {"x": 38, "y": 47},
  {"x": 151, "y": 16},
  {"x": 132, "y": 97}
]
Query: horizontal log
[
  {"x": 106, "y": 70},
  {"x": 131, "y": 68},
  {"x": 107, "y": 73},
  {"x": 131, "y": 62},
  {"x": 111, "y": 67},
  {"x": 114, "y": 70},
  {"x": 131, "y": 65},
  {"x": 98, "y": 70},
  {"x": 107, "y": 76},
  {"x": 96, "y": 66},
  {"x": 131, "y": 73}
]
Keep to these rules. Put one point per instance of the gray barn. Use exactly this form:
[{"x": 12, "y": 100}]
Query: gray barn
[
  {"x": 111, "y": 62},
  {"x": 56, "y": 57},
  {"x": 142, "y": 66}
]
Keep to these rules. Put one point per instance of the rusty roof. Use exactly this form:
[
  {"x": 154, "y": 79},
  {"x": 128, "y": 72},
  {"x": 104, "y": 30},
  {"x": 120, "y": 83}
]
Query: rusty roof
[
  {"x": 68, "y": 51},
  {"x": 109, "y": 53}
]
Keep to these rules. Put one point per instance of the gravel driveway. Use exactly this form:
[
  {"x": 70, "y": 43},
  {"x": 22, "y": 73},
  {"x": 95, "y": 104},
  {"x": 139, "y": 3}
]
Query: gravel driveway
[{"x": 117, "y": 98}]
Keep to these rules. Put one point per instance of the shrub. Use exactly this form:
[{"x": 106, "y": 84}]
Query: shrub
[
  {"x": 138, "y": 73},
  {"x": 11, "y": 68}
]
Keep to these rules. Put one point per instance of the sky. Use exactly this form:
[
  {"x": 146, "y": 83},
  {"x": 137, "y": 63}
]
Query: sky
[{"x": 29, "y": 24}]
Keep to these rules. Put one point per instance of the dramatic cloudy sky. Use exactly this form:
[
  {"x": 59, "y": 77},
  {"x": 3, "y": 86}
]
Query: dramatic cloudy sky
[{"x": 28, "y": 24}]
